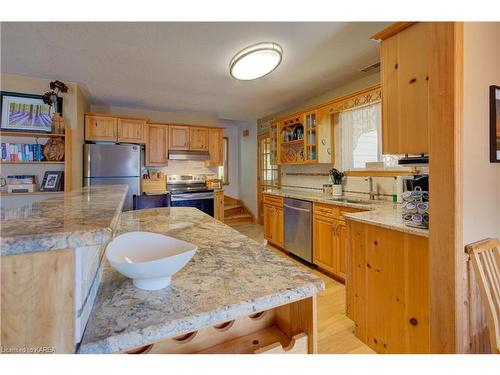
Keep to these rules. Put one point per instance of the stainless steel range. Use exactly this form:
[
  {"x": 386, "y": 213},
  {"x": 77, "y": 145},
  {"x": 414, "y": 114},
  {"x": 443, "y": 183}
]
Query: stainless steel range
[{"x": 190, "y": 191}]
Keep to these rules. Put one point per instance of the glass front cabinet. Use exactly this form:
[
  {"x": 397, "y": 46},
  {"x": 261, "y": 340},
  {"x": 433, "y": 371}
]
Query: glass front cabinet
[{"x": 298, "y": 137}]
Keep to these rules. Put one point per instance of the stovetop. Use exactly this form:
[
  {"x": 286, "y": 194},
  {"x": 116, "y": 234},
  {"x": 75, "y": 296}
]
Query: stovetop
[
  {"x": 178, "y": 189},
  {"x": 178, "y": 184}
]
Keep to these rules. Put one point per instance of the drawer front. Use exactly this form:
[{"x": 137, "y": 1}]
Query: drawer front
[
  {"x": 326, "y": 210},
  {"x": 273, "y": 200}
]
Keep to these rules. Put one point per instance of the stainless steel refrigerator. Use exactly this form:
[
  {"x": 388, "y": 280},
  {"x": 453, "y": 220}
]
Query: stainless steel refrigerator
[{"x": 113, "y": 164}]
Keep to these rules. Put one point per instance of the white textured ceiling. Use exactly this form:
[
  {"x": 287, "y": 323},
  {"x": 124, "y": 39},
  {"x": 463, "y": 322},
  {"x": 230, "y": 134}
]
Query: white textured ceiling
[{"x": 184, "y": 66}]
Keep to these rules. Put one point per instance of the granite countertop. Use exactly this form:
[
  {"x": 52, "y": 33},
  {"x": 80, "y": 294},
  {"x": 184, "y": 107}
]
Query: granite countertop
[
  {"x": 230, "y": 276},
  {"x": 82, "y": 217},
  {"x": 380, "y": 213}
]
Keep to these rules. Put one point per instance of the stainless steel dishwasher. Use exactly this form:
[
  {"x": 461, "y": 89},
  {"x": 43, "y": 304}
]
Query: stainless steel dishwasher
[{"x": 298, "y": 227}]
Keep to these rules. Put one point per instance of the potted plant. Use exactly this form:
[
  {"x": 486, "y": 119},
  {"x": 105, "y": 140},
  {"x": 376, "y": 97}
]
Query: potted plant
[{"x": 336, "y": 177}]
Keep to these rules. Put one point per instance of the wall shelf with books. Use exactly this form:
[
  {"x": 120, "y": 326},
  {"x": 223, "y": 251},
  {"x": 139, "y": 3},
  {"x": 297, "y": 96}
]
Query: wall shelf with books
[
  {"x": 6, "y": 133},
  {"x": 27, "y": 157},
  {"x": 30, "y": 162}
]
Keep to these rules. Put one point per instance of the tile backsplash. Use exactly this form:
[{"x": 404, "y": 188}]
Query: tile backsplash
[
  {"x": 384, "y": 186},
  {"x": 186, "y": 167}
]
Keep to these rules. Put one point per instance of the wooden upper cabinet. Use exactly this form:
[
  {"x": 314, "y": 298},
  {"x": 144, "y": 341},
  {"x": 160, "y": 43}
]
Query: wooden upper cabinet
[
  {"x": 405, "y": 90},
  {"x": 131, "y": 130},
  {"x": 100, "y": 128},
  {"x": 157, "y": 145},
  {"x": 178, "y": 137},
  {"x": 325, "y": 136},
  {"x": 198, "y": 139},
  {"x": 216, "y": 147}
]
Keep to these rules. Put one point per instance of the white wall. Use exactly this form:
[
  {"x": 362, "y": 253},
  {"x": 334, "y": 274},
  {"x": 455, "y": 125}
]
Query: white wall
[
  {"x": 248, "y": 165},
  {"x": 347, "y": 88},
  {"x": 231, "y": 131},
  {"x": 481, "y": 179}
]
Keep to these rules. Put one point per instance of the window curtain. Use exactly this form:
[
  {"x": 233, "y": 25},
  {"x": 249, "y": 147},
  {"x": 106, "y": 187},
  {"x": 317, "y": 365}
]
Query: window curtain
[{"x": 362, "y": 123}]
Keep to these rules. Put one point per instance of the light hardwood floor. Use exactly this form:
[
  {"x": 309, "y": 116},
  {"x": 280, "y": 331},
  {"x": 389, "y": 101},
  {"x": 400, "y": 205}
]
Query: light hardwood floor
[{"x": 335, "y": 330}]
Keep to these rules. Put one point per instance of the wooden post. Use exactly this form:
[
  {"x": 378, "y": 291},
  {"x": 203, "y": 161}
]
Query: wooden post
[{"x": 445, "y": 185}]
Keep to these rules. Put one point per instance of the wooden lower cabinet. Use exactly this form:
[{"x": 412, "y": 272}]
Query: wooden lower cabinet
[
  {"x": 329, "y": 244},
  {"x": 323, "y": 243},
  {"x": 219, "y": 205},
  {"x": 278, "y": 227},
  {"x": 388, "y": 288},
  {"x": 342, "y": 254},
  {"x": 273, "y": 224},
  {"x": 273, "y": 220}
]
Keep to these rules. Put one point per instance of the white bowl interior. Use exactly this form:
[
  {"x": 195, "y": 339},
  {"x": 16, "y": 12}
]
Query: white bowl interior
[
  {"x": 149, "y": 258},
  {"x": 142, "y": 247}
]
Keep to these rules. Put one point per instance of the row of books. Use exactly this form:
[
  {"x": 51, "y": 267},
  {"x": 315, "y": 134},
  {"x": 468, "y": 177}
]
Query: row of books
[{"x": 22, "y": 152}]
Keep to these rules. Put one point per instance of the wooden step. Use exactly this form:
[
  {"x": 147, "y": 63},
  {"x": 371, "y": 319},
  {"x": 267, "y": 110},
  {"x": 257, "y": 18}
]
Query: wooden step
[
  {"x": 235, "y": 212},
  {"x": 238, "y": 219},
  {"x": 233, "y": 209}
]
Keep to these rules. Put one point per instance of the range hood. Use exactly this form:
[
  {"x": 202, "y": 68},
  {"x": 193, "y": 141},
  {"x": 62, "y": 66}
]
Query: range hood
[
  {"x": 188, "y": 155},
  {"x": 410, "y": 160}
]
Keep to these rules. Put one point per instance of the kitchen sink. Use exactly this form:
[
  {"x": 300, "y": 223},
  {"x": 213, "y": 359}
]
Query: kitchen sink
[{"x": 352, "y": 200}]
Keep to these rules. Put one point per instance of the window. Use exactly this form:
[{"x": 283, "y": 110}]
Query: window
[
  {"x": 359, "y": 137},
  {"x": 223, "y": 171},
  {"x": 268, "y": 173}
]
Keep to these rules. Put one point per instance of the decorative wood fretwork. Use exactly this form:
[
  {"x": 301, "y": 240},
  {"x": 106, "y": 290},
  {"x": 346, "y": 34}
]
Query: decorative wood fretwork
[
  {"x": 263, "y": 125},
  {"x": 358, "y": 100}
]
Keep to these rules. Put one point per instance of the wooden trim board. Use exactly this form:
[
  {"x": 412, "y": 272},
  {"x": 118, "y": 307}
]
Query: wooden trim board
[
  {"x": 389, "y": 31},
  {"x": 445, "y": 185}
]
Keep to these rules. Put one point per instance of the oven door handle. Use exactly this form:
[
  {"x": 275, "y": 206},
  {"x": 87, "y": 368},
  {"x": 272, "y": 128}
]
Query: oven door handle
[{"x": 190, "y": 197}]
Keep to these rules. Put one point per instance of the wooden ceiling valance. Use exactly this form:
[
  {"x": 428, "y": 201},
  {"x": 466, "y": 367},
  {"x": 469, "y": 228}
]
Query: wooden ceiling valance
[{"x": 367, "y": 96}]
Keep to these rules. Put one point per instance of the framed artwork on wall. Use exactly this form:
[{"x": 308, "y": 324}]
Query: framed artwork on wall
[
  {"x": 495, "y": 124},
  {"x": 26, "y": 112}
]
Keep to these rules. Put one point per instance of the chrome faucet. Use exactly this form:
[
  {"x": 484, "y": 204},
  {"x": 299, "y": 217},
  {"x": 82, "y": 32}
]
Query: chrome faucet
[{"x": 370, "y": 188}]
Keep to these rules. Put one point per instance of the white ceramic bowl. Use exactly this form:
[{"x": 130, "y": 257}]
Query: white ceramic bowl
[{"x": 149, "y": 259}]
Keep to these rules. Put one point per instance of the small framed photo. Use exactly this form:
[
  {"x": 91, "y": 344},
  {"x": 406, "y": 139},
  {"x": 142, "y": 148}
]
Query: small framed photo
[
  {"x": 26, "y": 112},
  {"x": 52, "y": 181},
  {"x": 495, "y": 124}
]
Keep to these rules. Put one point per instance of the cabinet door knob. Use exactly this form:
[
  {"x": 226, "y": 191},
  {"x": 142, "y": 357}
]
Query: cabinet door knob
[{"x": 413, "y": 80}]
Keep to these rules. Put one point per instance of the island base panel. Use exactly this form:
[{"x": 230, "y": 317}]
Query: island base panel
[
  {"x": 38, "y": 307},
  {"x": 289, "y": 328}
]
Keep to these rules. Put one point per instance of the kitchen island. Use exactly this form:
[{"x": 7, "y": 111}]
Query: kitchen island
[
  {"x": 233, "y": 287},
  {"x": 233, "y": 296}
]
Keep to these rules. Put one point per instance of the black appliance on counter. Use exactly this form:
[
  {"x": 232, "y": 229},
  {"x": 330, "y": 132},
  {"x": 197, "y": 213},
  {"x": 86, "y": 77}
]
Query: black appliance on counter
[
  {"x": 190, "y": 191},
  {"x": 410, "y": 183}
]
